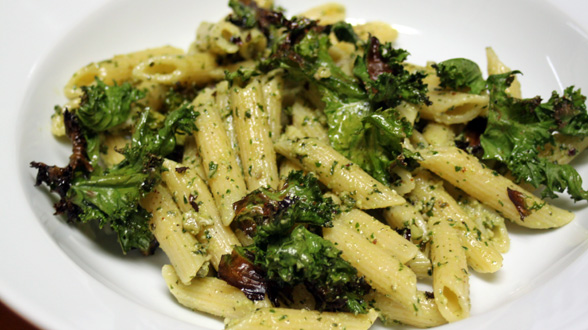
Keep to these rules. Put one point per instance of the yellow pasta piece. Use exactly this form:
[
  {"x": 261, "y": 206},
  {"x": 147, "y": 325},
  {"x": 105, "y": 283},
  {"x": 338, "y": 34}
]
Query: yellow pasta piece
[
  {"x": 114, "y": 143},
  {"x": 197, "y": 204},
  {"x": 383, "y": 272},
  {"x": 219, "y": 161},
  {"x": 381, "y": 30},
  {"x": 191, "y": 158},
  {"x": 495, "y": 66},
  {"x": 453, "y": 107},
  {"x": 256, "y": 149},
  {"x": 439, "y": 135},
  {"x": 217, "y": 38},
  {"x": 407, "y": 216},
  {"x": 450, "y": 270},
  {"x": 155, "y": 94},
  {"x": 185, "y": 253},
  {"x": 308, "y": 122},
  {"x": 326, "y": 14},
  {"x": 424, "y": 314},
  {"x": 296, "y": 319},
  {"x": 171, "y": 69},
  {"x": 117, "y": 69},
  {"x": 480, "y": 256},
  {"x": 566, "y": 148},
  {"x": 378, "y": 234},
  {"x": 492, "y": 189},
  {"x": 346, "y": 179},
  {"x": 210, "y": 295},
  {"x": 272, "y": 101},
  {"x": 487, "y": 220}
]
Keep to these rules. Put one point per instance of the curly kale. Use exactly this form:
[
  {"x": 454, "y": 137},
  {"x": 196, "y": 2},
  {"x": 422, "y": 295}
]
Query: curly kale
[
  {"x": 287, "y": 249},
  {"x": 103, "y": 107},
  {"x": 265, "y": 213},
  {"x": 460, "y": 74},
  {"x": 386, "y": 80},
  {"x": 306, "y": 258},
  {"x": 519, "y": 129},
  {"x": 110, "y": 196},
  {"x": 362, "y": 122}
]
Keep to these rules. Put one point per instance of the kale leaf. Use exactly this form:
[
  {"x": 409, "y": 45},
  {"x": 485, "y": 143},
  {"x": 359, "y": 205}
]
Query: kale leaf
[
  {"x": 518, "y": 129},
  {"x": 344, "y": 32},
  {"x": 460, "y": 74},
  {"x": 362, "y": 123},
  {"x": 243, "y": 15},
  {"x": 306, "y": 258},
  {"x": 386, "y": 80},
  {"x": 89, "y": 192},
  {"x": 265, "y": 213},
  {"x": 287, "y": 251},
  {"x": 103, "y": 107}
]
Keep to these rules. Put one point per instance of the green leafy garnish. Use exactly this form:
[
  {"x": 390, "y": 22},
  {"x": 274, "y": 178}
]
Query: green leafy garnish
[
  {"x": 460, "y": 74},
  {"x": 519, "y": 129},
  {"x": 288, "y": 251}
]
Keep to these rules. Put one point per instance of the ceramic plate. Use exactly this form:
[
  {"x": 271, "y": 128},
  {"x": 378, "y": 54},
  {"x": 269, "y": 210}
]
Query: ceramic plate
[{"x": 59, "y": 276}]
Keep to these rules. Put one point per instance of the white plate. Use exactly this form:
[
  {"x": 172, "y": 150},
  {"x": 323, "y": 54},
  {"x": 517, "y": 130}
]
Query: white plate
[{"x": 62, "y": 277}]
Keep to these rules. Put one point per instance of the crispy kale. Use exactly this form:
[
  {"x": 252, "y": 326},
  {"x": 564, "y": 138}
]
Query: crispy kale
[
  {"x": 460, "y": 74},
  {"x": 519, "y": 129},
  {"x": 103, "y": 107},
  {"x": 89, "y": 192},
  {"x": 386, "y": 80},
  {"x": 344, "y": 32},
  {"x": 243, "y": 15},
  {"x": 303, "y": 257},
  {"x": 179, "y": 95},
  {"x": 287, "y": 249},
  {"x": 265, "y": 213},
  {"x": 362, "y": 122}
]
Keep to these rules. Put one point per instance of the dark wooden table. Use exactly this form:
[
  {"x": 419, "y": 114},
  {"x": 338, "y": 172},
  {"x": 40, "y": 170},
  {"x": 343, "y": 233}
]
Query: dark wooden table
[{"x": 10, "y": 320}]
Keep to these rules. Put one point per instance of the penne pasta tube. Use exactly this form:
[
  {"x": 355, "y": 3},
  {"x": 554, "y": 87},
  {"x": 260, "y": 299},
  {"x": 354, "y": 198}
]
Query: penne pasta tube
[
  {"x": 382, "y": 271},
  {"x": 185, "y": 253},
  {"x": 201, "y": 216},
  {"x": 450, "y": 274},
  {"x": 481, "y": 256},
  {"x": 171, "y": 69},
  {"x": 424, "y": 314},
  {"x": 219, "y": 161},
  {"x": 439, "y": 135},
  {"x": 328, "y": 13},
  {"x": 210, "y": 295},
  {"x": 192, "y": 159},
  {"x": 453, "y": 107},
  {"x": 272, "y": 101},
  {"x": 407, "y": 216},
  {"x": 378, "y": 234},
  {"x": 495, "y": 66},
  {"x": 487, "y": 220},
  {"x": 252, "y": 129},
  {"x": 511, "y": 201},
  {"x": 346, "y": 179},
  {"x": 114, "y": 143},
  {"x": 115, "y": 70},
  {"x": 296, "y": 319}
]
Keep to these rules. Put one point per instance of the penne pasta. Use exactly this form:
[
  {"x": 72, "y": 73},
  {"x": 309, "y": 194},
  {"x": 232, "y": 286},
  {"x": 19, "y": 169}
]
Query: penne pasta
[
  {"x": 346, "y": 179},
  {"x": 210, "y": 295},
  {"x": 201, "y": 217},
  {"x": 185, "y": 253},
  {"x": 253, "y": 134},
  {"x": 296, "y": 319},
  {"x": 219, "y": 160},
  {"x": 511, "y": 201}
]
